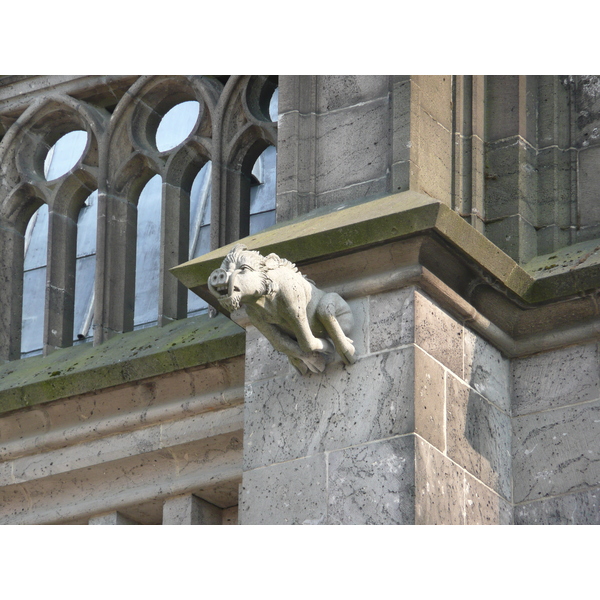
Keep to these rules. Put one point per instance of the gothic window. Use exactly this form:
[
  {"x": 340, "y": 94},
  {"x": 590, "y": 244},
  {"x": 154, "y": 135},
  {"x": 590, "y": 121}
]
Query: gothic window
[
  {"x": 262, "y": 192},
  {"x": 103, "y": 196},
  {"x": 34, "y": 282},
  {"x": 147, "y": 254},
  {"x": 200, "y": 210},
  {"x": 85, "y": 268}
]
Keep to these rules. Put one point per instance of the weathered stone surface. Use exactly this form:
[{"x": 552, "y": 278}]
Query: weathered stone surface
[
  {"x": 124, "y": 358},
  {"x": 289, "y": 493},
  {"x": 486, "y": 370},
  {"x": 573, "y": 509},
  {"x": 589, "y": 182},
  {"x": 211, "y": 468},
  {"x": 113, "y": 518},
  {"x": 515, "y": 236},
  {"x": 356, "y": 143},
  {"x": 483, "y": 506},
  {"x": 262, "y": 360},
  {"x": 552, "y": 379},
  {"x": 430, "y": 400},
  {"x": 431, "y": 171},
  {"x": 439, "y": 487},
  {"x": 392, "y": 322},
  {"x": 339, "y": 91},
  {"x": 478, "y": 436},
  {"x": 447, "y": 495},
  {"x": 439, "y": 334},
  {"x": 190, "y": 510},
  {"x": 556, "y": 451},
  {"x": 291, "y": 417},
  {"x": 372, "y": 484}
]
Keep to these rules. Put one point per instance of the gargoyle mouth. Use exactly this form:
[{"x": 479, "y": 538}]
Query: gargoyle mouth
[{"x": 222, "y": 289}]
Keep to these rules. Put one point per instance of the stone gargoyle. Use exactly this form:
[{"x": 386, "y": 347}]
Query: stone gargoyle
[{"x": 298, "y": 319}]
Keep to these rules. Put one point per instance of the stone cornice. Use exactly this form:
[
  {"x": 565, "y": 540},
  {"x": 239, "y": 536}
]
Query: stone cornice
[
  {"x": 553, "y": 298},
  {"x": 124, "y": 358}
]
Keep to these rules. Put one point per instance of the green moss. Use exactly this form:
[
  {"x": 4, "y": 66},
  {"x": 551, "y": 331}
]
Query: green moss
[{"x": 122, "y": 359}]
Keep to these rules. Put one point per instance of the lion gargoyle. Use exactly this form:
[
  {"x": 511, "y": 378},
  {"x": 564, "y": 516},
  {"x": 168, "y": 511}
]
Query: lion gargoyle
[{"x": 298, "y": 319}]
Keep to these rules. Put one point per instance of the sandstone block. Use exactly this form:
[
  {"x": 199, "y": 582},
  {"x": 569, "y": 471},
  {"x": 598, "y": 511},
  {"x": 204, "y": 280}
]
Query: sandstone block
[
  {"x": 372, "y": 484},
  {"x": 294, "y": 416},
  {"x": 557, "y": 378},
  {"x": 289, "y": 493}
]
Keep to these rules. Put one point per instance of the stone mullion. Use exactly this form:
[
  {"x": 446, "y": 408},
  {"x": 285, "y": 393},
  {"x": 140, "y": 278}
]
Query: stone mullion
[
  {"x": 174, "y": 251},
  {"x": 60, "y": 281},
  {"x": 11, "y": 299},
  {"x": 115, "y": 264}
]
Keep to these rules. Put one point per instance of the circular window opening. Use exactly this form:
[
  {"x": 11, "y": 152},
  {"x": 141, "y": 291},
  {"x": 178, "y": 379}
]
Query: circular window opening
[
  {"x": 63, "y": 156},
  {"x": 177, "y": 125}
]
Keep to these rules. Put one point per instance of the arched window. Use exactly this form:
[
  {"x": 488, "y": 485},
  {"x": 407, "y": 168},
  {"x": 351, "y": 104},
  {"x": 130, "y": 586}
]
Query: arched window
[
  {"x": 200, "y": 209},
  {"x": 263, "y": 192},
  {"x": 147, "y": 268},
  {"x": 34, "y": 282},
  {"x": 178, "y": 166},
  {"x": 85, "y": 268}
]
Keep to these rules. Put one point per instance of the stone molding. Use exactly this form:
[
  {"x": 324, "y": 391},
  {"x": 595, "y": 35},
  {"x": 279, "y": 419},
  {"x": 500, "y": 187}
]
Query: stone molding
[
  {"x": 125, "y": 358},
  {"x": 546, "y": 304}
]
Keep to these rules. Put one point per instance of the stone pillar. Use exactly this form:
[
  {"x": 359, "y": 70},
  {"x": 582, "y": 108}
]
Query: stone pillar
[
  {"x": 190, "y": 510},
  {"x": 112, "y": 518},
  {"x": 418, "y": 430},
  {"x": 340, "y": 139}
]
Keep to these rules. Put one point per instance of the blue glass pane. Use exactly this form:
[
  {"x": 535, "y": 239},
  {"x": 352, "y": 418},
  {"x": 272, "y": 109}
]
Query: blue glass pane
[
  {"x": 177, "y": 125},
  {"x": 201, "y": 247},
  {"x": 63, "y": 156},
  {"x": 274, "y": 106},
  {"x": 263, "y": 196},
  {"x": 34, "y": 292},
  {"x": 36, "y": 239},
  {"x": 84, "y": 295},
  {"x": 86, "y": 226},
  {"x": 200, "y": 201},
  {"x": 148, "y": 253},
  {"x": 261, "y": 221}
]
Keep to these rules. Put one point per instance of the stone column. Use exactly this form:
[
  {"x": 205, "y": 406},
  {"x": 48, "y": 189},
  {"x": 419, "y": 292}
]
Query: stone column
[{"x": 190, "y": 510}]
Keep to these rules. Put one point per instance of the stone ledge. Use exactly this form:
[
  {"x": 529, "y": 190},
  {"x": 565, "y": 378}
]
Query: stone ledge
[
  {"x": 552, "y": 296},
  {"x": 124, "y": 358}
]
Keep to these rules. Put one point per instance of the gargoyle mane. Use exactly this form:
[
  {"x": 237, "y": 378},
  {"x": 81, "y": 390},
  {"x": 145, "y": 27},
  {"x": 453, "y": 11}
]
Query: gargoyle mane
[{"x": 240, "y": 254}]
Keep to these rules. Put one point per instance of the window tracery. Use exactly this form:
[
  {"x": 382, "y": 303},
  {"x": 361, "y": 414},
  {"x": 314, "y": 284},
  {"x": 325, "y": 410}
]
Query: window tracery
[{"x": 205, "y": 149}]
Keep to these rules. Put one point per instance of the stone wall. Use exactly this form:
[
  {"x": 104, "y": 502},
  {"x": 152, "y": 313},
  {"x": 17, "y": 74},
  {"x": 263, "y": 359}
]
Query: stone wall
[
  {"x": 137, "y": 453},
  {"x": 455, "y": 214},
  {"x": 556, "y": 468},
  {"x": 418, "y": 430}
]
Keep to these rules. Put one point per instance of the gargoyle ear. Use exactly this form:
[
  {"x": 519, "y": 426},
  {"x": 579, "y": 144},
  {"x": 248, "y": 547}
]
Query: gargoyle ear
[
  {"x": 272, "y": 261},
  {"x": 238, "y": 248}
]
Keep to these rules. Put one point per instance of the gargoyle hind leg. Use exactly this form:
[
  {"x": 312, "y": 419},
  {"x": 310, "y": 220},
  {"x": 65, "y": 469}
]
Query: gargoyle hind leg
[
  {"x": 302, "y": 361},
  {"x": 337, "y": 319}
]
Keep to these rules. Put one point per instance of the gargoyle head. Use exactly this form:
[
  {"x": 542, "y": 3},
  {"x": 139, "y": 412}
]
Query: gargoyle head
[{"x": 243, "y": 278}]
